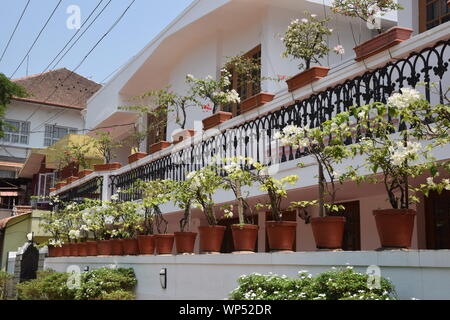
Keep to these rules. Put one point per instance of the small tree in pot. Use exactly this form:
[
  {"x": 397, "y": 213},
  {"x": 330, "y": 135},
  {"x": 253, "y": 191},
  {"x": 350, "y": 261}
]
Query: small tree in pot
[
  {"x": 399, "y": 158},
  {"x": 305, "y": 40},
  {"x": 237, "y": 176},
  {"x": 106, "y": 145},
  {"x": 371, "y": 11},
  {"x": 154, "y": 194},
  {"x": 327, "y": 145},
  {"x": 281, "y": 234},
  {"x": 183, "y": 196},
  {"x": 205, "y": 183}
]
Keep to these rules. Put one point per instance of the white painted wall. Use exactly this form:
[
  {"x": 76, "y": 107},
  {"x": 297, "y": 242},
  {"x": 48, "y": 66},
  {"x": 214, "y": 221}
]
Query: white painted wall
[
  {"x": 43, "y": 114},
  {"x": 409, "y": 16},
  {"x": 415, "y": 274}
]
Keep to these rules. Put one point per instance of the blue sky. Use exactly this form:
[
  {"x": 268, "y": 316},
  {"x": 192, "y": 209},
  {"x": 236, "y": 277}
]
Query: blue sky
[{"x": 144, "y": 20}]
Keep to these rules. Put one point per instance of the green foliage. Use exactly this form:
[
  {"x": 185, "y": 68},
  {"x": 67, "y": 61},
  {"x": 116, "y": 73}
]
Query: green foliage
[
  {"x": 305, "y": 39},
  {"x": 96, "y": 283},
  {"x": 100, "y": 284},
  {"x": 364, "y": 9},
  {"x": 106, "y": 145},
  {"x": 338, "y": 284},
  {"x": 8, "y": 90},
  {"x": 5, "y": 277},
  {"x": 183, "y": 196}
]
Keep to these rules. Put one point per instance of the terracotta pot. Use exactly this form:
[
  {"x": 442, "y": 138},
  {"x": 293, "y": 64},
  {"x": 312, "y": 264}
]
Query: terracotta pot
[
  {"x": 71, "y": 180},
  {"x": 107, "y": 166},
  {"x": 58, "y": 251},
  {"x": 156, "y": 147},
  {"x": 116, "y": 247},
  {"x": 136, "y": 156},
  {"x": 146, "y": 244},
  {"x": 66, "y": 250},
  {"x": 91, "y": 248},
  {"x": 164, "y": 243},
  {"x": 382, "y": 42},
  {"x": 52, "y": 190},
  {"x": 84, "y": 173},
  {"x": 328, "y": 232},
  {"x": 216, "y": 119},
  {"x": 244, "y": 237},
  {"x": 281, "y": 235},
  {"x": 73, "y": 249},
  {"x": 104, "y": 248},
  {"x": 61, "y": 184},
  {"x": 256, "y": 101},
  {"x": 395, "y": 227},
  {"x": 82, "y": 249},
  {"x": 182, "y": 135},
  {"x": 307, "y": 77},
  {"x": 51, "y": 251},
  {"x": 185, "y": 242},
  {"x": 211, "y": 238},
  {"x": 130, "y": 247}
]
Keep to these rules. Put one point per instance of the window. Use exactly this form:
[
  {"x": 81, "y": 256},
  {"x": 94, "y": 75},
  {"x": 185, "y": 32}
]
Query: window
[
  {"x": 46, "y": 181},
  {"x": 245, "y": 90},
  {"x": 16, "y": 132},
  {"x": 433, "y": 13},
  {"x": 55, "y": 133}
]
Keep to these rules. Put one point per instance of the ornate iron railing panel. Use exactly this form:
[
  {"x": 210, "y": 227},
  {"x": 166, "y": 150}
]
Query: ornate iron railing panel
[
  {"x": 91, "y": 190},
  {"x": 255, "y": 138}
]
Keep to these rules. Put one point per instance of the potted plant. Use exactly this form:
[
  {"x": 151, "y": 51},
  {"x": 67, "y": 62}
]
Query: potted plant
[
  {"x": 51, "y": 223},
  {"x": 183, "y": 197},
  {"x": 216, "y": 93},
  {"x": 146, "y": 239},
  {"x": 101, "y": 221},
  {"x": 237, "y": 176},
  {"x": 106, "y": 146},
  {"x": 281, "y": 234},
  {"x": 154, "y": 194},
  {"x": 327, "y": 144},
  {"x": 248, "y": 72},
  {"x": 369, "y": 12},
  {"x": 78, "y": 152},
  {"x": 204, "y": 183},
  {"x": 87, "y": 220},
  {"x": 127, "y": 226},
  {"x": 397, "y": 157},
  {"x": 305, "y": 40}
]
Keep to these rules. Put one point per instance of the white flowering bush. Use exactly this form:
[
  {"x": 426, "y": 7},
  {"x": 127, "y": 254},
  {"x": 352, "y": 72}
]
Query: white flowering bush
[
  {"x": 305, "y": 39},
  {"x": 398, "y": 156},
  {"x": 215, "y": 92},
  {"x": 337, "y": 284},
  {"x": 326, "y": 144}
]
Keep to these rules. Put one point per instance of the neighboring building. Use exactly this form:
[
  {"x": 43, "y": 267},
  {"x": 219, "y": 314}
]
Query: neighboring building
[
  {"x": 197, "y": 43},
  {"x": 54, "y": 109}
]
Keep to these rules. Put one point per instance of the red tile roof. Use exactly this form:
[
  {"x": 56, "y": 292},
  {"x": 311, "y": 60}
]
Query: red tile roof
[{"x": 60, "y": 88}]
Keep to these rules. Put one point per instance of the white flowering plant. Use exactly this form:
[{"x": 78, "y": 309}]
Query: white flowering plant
[
  {"x": 205, "y": 183},
  {"x": 216, "y": 93},
  {"x": 237, "y": 175},
  {"x": 326, "y": 144},
  {"x": 399, "y": 156},
  {"x": 305, "y": 39},
  {"x": 183, "y": 196},
  {"x": 154, "y": 194},
  {"x": 365, "y": 10}
]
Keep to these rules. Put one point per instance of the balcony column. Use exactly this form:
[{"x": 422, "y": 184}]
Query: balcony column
[{"x": 106, "y": 188}]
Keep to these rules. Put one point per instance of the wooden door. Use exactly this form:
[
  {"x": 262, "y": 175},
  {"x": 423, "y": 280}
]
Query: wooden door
[
  {"x": 352, "y": 231},
  {"x": 437, "y": 215}
]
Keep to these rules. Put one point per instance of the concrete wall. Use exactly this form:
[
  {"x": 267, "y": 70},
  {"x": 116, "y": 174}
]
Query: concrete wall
[{"x": 415, "y": 274}]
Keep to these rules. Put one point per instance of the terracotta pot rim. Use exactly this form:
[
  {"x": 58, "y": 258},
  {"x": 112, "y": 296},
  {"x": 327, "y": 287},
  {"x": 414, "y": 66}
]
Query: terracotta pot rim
[
  {"x": 187, "y": 232},
  {"x": 281, "y": 222},
  {"x": 212, "y": 227},
  {"x": 167, "y": 235},
  {"x": 384, "y": 33},
  {"x": 145, "y": 235},
  {"x": 379, "y": 212},
  {"x": 328, "y": 219},
  {"x": 244, "y": 226}
]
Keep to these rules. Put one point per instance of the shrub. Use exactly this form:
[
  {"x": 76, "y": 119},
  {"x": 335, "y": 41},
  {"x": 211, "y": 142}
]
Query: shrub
[
  {"x": 337, "y": 284},
  {"x": 100, "y": 284},
  {"x": 4, "y": 279},
  {"x": 96, "y": 283}
]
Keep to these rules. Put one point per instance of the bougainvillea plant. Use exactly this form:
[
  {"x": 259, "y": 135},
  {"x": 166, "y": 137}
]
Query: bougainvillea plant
[
  {"x": 216, "y": 93},
  {"x": 106, "y": 145},
  {"x": 183, "y": 196},
  {"x": 305, "y": 40}
]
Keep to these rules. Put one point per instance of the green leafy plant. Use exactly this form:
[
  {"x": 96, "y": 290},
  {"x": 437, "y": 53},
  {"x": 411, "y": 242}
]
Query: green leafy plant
[
  {"x": 305, "y": 40},
  {"x": 5, "y": 278},
  {"x": 8, "y": 90},
  {"x": 215, "y": 92},
  {"x": 205, "y": 183},
  {"x": 183, "y": 196},
  {"x": 337, "y": 284},
  {"x": 326, "y": 144},
  {"x": 106, "y": 145},
  {"x": 49, "y": 285},
  {"x": 366, "y": 10}
]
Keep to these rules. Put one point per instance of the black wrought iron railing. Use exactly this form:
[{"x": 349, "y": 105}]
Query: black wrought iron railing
[
  {"x": 91, "y": 190},
  {"x": 255, "y": 138}
]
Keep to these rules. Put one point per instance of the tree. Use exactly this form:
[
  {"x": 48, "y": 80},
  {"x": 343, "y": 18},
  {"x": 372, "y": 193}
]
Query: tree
[{"x": 8, "y": 90}]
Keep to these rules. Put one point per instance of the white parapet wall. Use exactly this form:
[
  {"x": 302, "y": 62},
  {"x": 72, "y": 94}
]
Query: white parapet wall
[{"x": 421, "y": 274}]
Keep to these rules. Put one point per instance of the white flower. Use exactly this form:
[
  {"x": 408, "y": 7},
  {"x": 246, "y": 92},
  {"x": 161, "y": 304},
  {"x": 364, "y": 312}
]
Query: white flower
[
  {"x": 115, "y": 197},
  {"x": 74, "y": 234},
  {"x": 304, "y": 20},
  {"x": 339, "y": 49},
  {"x": 404, "y": 99},
  {"x": 430, "y": 181}
]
